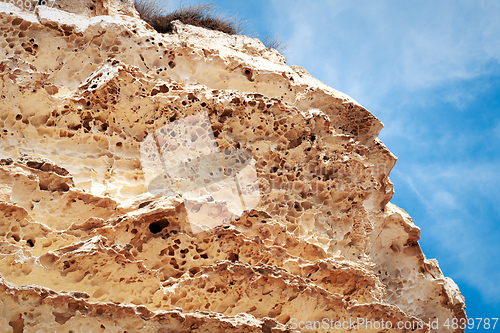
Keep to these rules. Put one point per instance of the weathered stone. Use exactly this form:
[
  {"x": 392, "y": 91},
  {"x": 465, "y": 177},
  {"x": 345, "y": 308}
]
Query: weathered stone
[{"x": 192, "y": 181}]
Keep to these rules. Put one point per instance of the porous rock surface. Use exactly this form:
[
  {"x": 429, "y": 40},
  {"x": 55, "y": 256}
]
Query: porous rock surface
[{"x": 85, "y": 247}]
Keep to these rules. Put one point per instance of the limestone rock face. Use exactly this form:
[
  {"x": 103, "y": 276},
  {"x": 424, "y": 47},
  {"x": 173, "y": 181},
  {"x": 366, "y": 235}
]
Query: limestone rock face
[{"x": 193, "y": 182}]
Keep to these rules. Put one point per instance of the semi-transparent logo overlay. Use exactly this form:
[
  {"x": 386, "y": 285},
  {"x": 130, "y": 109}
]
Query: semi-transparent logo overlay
[{"x": 217, "y": 185}]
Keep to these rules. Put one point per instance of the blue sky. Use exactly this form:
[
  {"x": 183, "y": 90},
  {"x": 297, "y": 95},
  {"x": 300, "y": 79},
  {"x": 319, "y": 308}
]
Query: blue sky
[{"x": 430, "y": 71}]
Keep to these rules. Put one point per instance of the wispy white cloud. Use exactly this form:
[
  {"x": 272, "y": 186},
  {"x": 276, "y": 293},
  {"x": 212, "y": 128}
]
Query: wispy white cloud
[
  {"x": 374, "y": 46},
  {"x": 496, "y": 131},
  {"x": 456, "y": 199},
  {"x": 460, "y": 99},
  {"x": 413, "y": 187}
]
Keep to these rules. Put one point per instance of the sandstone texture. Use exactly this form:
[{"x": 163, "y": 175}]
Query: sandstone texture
[{"x": 193, "y": 182}]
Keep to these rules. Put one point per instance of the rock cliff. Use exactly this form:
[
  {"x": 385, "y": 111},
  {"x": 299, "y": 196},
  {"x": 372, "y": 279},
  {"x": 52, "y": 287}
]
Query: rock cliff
[{"x": 193, "y": 181}]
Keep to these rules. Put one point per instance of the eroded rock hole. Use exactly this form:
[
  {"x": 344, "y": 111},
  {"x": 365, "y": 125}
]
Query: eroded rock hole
[
  {"x": 17, "y": 324},
  {"x": 160, "y": 89},
  {"x": 248, "y": 73},
  {"x": 61, "y": 317},
  {"x": 173, "y": 263},
  {"x": 194, "y": 270},
  {"x": 145, "y": 203},
  {"x": 168, "y": 251},
  {"x": 158, "y": 226}
]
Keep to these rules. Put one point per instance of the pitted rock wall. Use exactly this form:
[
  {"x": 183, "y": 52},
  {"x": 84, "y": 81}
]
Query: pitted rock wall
[{"x": 85, "y": 247}]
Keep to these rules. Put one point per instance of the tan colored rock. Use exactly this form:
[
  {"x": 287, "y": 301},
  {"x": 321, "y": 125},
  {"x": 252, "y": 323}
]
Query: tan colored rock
[{"x": 193, "y": 181}]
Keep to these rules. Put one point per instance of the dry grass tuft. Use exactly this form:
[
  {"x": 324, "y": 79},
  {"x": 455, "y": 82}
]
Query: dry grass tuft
[
  {"x": 148, "y": 9},
  {"x": 200, "y": 16},
  {"x": 204, "y": 16},
  {"x": 274, "y": 43}
]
